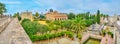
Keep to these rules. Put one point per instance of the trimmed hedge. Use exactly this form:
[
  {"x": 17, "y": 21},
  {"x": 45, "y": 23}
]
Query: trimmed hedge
[{"x": 50, "y": 36}]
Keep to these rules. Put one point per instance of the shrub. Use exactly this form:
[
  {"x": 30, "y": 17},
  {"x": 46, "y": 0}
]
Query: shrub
[
  {"x": 70, "y": 34},
  {"x": 34, "y": 38},
  {"x": 25, "y": 20},
  {"x": 62, "y": 33},
  {"x": 19, "y": 18},
  {"x": 47, "y": 21},
  {"x": 103, "y": 32},
  {"x": 50, "y": 36},
  {"x": 79, "y": 36},
  {"x": 88, "y": 22},
  {"x": 33, "y": 27},
  {"x": 110, "y": 33}
]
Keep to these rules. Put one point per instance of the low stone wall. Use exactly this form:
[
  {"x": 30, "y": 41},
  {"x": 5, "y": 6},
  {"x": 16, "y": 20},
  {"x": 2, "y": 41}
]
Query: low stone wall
[
  {"x": 87, "y": 36},
  {"x": 59, "y": 40}
]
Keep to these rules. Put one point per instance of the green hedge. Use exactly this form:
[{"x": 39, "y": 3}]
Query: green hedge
[
  {"x": 50, "y": 36},
  {"x": 32, "y": 27}
]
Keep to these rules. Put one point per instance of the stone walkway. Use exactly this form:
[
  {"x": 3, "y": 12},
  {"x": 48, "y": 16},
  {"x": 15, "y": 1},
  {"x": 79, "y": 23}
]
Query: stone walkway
[
  {"x": 107, "y": 40},
  {"x": 14, "y": 34}
]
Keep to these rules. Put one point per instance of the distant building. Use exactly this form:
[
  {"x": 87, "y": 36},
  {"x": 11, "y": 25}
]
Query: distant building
[
  {"x": 118, "y": 17},
  {"x": 103, "y": 20},
  {"x": 112, "y": 19},
  {"x": 54, "y": 15},
  {"x": 26, "y": 15}
]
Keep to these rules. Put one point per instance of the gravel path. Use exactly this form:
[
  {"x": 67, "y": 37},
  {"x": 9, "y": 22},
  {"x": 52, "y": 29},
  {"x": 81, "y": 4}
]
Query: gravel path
[{"x": 14, "y": 34}]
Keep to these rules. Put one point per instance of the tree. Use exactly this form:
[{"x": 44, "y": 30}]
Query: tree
[
  {"x": 78, "y": 25},
  {"x": 51, "y": 10},
  {"x": 107, "y": 16},
  {"x": 71, "y": 15},
  {"x": 42, "y": 17},
  {"x": 98, "y": 17},
  {"x": 2, "y": 8},
  {"x": 88, "y": 22},
  {"x": 17, "y": 15},
  {"x": 37, "y": 15},
  {"x": 66, "y": 24},
  {"x": 83, "y": 15},
  {"x": 87, "y": 15}
]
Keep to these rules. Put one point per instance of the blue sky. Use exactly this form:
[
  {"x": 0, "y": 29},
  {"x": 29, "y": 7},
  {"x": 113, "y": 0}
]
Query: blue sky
[{"x": 110, "y": 7}]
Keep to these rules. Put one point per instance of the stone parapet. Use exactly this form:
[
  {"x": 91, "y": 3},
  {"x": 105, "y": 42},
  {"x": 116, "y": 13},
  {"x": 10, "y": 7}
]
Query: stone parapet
[{"x": 14, "y": 34}]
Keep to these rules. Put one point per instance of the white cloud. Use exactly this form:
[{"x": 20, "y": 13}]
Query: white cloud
[{"x": 11, "y": 2}]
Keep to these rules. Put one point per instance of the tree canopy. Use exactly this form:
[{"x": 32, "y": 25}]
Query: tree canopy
[
  {"x": 71, "y": 15},
  {"x": 98, "y": 17},
  {"x": 17, "y": 15},
  {"x": 37, "y": 15},
  {"x": 2, "y": 8}
]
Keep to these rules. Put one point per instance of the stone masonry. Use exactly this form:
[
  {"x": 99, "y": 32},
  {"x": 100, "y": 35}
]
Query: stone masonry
[{"x": 14, "y": 34}]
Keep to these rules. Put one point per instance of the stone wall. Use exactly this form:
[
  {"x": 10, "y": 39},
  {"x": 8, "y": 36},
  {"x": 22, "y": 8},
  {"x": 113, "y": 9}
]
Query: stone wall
[
  {"x": 14, "y": 34},
  {"x": 4, "y": 21}
]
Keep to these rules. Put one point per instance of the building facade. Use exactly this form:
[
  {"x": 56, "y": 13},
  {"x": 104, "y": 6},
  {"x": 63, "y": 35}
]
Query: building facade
[
  {"x": 54, "y": 15},
  {"x": 26, "y": 15},
  {"x": 103, "y": 20}
]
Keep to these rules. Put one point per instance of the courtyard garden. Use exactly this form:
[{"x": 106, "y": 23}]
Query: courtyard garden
[{"x": 75, "y": 25}]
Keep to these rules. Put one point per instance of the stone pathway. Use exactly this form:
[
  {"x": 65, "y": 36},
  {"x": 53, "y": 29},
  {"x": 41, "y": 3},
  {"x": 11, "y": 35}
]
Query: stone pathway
[
  {"x": 107, "y": 40},
  {"x": 14, "y": 34}
]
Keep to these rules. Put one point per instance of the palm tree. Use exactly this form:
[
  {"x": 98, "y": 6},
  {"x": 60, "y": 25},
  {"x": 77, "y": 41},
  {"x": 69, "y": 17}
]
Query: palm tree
[{"x": 78, "y": 25}]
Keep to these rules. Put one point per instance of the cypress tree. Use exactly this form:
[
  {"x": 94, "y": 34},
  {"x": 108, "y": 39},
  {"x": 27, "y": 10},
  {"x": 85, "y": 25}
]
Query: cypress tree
[{"x": 98, "y": 17}]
